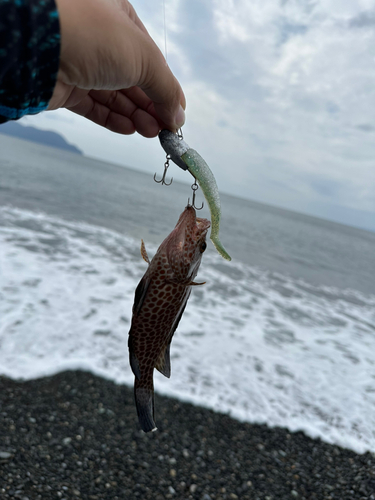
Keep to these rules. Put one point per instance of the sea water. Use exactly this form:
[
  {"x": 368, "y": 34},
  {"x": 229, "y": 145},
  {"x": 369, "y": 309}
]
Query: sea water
[{"x": 284, "y": 334}]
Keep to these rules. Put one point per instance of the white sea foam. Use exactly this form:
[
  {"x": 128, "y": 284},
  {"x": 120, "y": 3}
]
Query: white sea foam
[{"x": 260, "y": 346}]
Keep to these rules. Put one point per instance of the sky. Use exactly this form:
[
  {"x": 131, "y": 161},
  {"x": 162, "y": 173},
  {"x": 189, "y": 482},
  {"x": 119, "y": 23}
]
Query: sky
[{"x": 280, "y": 102}]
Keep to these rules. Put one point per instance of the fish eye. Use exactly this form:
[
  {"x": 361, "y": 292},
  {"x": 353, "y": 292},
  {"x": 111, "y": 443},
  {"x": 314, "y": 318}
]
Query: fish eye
[{"x": 203, "y": 246}]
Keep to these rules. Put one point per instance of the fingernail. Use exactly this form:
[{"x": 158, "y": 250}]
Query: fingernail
[{"x": 180, "y": 117}]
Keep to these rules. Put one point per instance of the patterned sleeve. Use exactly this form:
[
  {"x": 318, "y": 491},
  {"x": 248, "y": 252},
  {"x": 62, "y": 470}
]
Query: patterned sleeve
[{"x": 29, "y": 56}]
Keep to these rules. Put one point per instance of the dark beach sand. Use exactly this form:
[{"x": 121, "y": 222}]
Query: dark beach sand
[{"x": 76, "y": 435}]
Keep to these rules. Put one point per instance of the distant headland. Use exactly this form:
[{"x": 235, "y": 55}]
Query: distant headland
[{"x": 33, "y": 134}]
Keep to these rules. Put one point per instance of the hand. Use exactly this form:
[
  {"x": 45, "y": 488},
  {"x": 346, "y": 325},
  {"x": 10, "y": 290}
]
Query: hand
[{"x": 112, "y": 72}]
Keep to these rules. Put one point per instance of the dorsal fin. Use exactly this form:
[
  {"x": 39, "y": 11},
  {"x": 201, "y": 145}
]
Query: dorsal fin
[
  {"x": 144, "y": 252},
  {"x": 163, "y": 364}
]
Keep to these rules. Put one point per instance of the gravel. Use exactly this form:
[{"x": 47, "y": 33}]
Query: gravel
[{"x": 76, "y": 436}]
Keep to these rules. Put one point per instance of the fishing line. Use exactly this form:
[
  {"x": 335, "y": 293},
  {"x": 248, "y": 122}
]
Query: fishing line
[
  {"x": 165, "y": 33},
  {"x": 163, "y": 181}
]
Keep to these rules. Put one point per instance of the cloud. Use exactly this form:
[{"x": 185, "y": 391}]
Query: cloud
[
  {"x": 280, "y": 99},
  {"x": 327, "y": 188},
  {"x": 366, "y": 127},
  {"x": 288, "y": 30},
  {"x": 363, "y": 20}
]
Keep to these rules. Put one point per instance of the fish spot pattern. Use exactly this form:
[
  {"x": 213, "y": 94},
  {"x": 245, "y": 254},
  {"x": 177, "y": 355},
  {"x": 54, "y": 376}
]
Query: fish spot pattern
[{"x": 155, "y": 320}]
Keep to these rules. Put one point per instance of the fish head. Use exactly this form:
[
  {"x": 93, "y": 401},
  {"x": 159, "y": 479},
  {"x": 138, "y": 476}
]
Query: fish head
[{"x": 186, "y": 244}]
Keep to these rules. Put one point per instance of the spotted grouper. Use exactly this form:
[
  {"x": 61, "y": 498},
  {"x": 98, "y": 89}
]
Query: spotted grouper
[{"x": 160, "y": 300}]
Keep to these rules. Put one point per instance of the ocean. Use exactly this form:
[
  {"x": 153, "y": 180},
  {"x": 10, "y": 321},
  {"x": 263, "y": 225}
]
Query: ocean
[{"x": 283, "y": 335}]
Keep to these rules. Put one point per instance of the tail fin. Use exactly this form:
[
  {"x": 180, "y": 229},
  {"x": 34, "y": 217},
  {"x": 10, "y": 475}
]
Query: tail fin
[{"x": 144, "y": 401}]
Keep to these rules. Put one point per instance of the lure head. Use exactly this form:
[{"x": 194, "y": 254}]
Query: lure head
[
  {"x": 185, "y": 245},
  {"x": 174, "y": 147}
]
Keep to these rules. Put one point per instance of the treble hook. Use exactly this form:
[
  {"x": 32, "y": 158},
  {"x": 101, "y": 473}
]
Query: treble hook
[
  {"x": 162, "y": 180},
  {"x": 194, "y": 187}
]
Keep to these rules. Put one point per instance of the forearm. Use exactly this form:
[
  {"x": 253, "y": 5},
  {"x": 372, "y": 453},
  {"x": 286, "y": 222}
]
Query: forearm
[{"x": 29, "y": 56}]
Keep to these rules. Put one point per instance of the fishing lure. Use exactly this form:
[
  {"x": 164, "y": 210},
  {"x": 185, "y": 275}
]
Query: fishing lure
[{"x": 188, "y": 159}]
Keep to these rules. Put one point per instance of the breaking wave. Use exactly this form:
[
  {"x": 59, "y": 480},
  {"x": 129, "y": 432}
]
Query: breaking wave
[{"x": 260, "y": 346}]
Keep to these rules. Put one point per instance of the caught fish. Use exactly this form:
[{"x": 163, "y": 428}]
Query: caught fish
[
  {"x": 160, "y": 300},
  {"x": 188, "y": 159}
]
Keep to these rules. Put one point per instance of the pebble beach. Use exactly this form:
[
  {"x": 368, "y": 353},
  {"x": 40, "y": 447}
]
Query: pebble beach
[{"x": 75, "y": 435}]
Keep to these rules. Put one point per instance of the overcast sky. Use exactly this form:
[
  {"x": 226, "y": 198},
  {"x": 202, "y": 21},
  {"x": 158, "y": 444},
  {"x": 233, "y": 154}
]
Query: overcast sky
[{"x": 280, "y": 101}]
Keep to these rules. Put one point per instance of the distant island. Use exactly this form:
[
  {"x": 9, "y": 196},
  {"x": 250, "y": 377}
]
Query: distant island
[{"x": 33, "y": 134}]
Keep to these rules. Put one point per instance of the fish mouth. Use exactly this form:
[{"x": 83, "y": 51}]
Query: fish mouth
[
  {"x": 184, "y": 243},
  {"x": 202, "y": 224},
  {"x": 190, "y": 223},
  {"x": 188, "y": 217},
  {"x": 197, "y": 225}
]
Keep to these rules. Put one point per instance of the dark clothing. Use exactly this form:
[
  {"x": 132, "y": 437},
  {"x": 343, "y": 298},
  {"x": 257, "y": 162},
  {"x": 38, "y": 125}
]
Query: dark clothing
[{"x": 29, "y": 56}]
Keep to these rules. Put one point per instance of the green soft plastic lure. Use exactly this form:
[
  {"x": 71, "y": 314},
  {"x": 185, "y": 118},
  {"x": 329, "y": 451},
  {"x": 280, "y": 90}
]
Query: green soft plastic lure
[{"x": 188, "y": 159}]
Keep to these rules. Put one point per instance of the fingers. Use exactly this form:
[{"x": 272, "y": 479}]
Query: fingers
[{"x": 116, "y": 112}]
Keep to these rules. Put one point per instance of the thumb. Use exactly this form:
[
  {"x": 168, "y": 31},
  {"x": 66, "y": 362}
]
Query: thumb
[{"x": 163, "y": 88}]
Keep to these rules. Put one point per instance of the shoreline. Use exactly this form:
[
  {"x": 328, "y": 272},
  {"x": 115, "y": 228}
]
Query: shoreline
[{"x": 76, "y": 435}]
